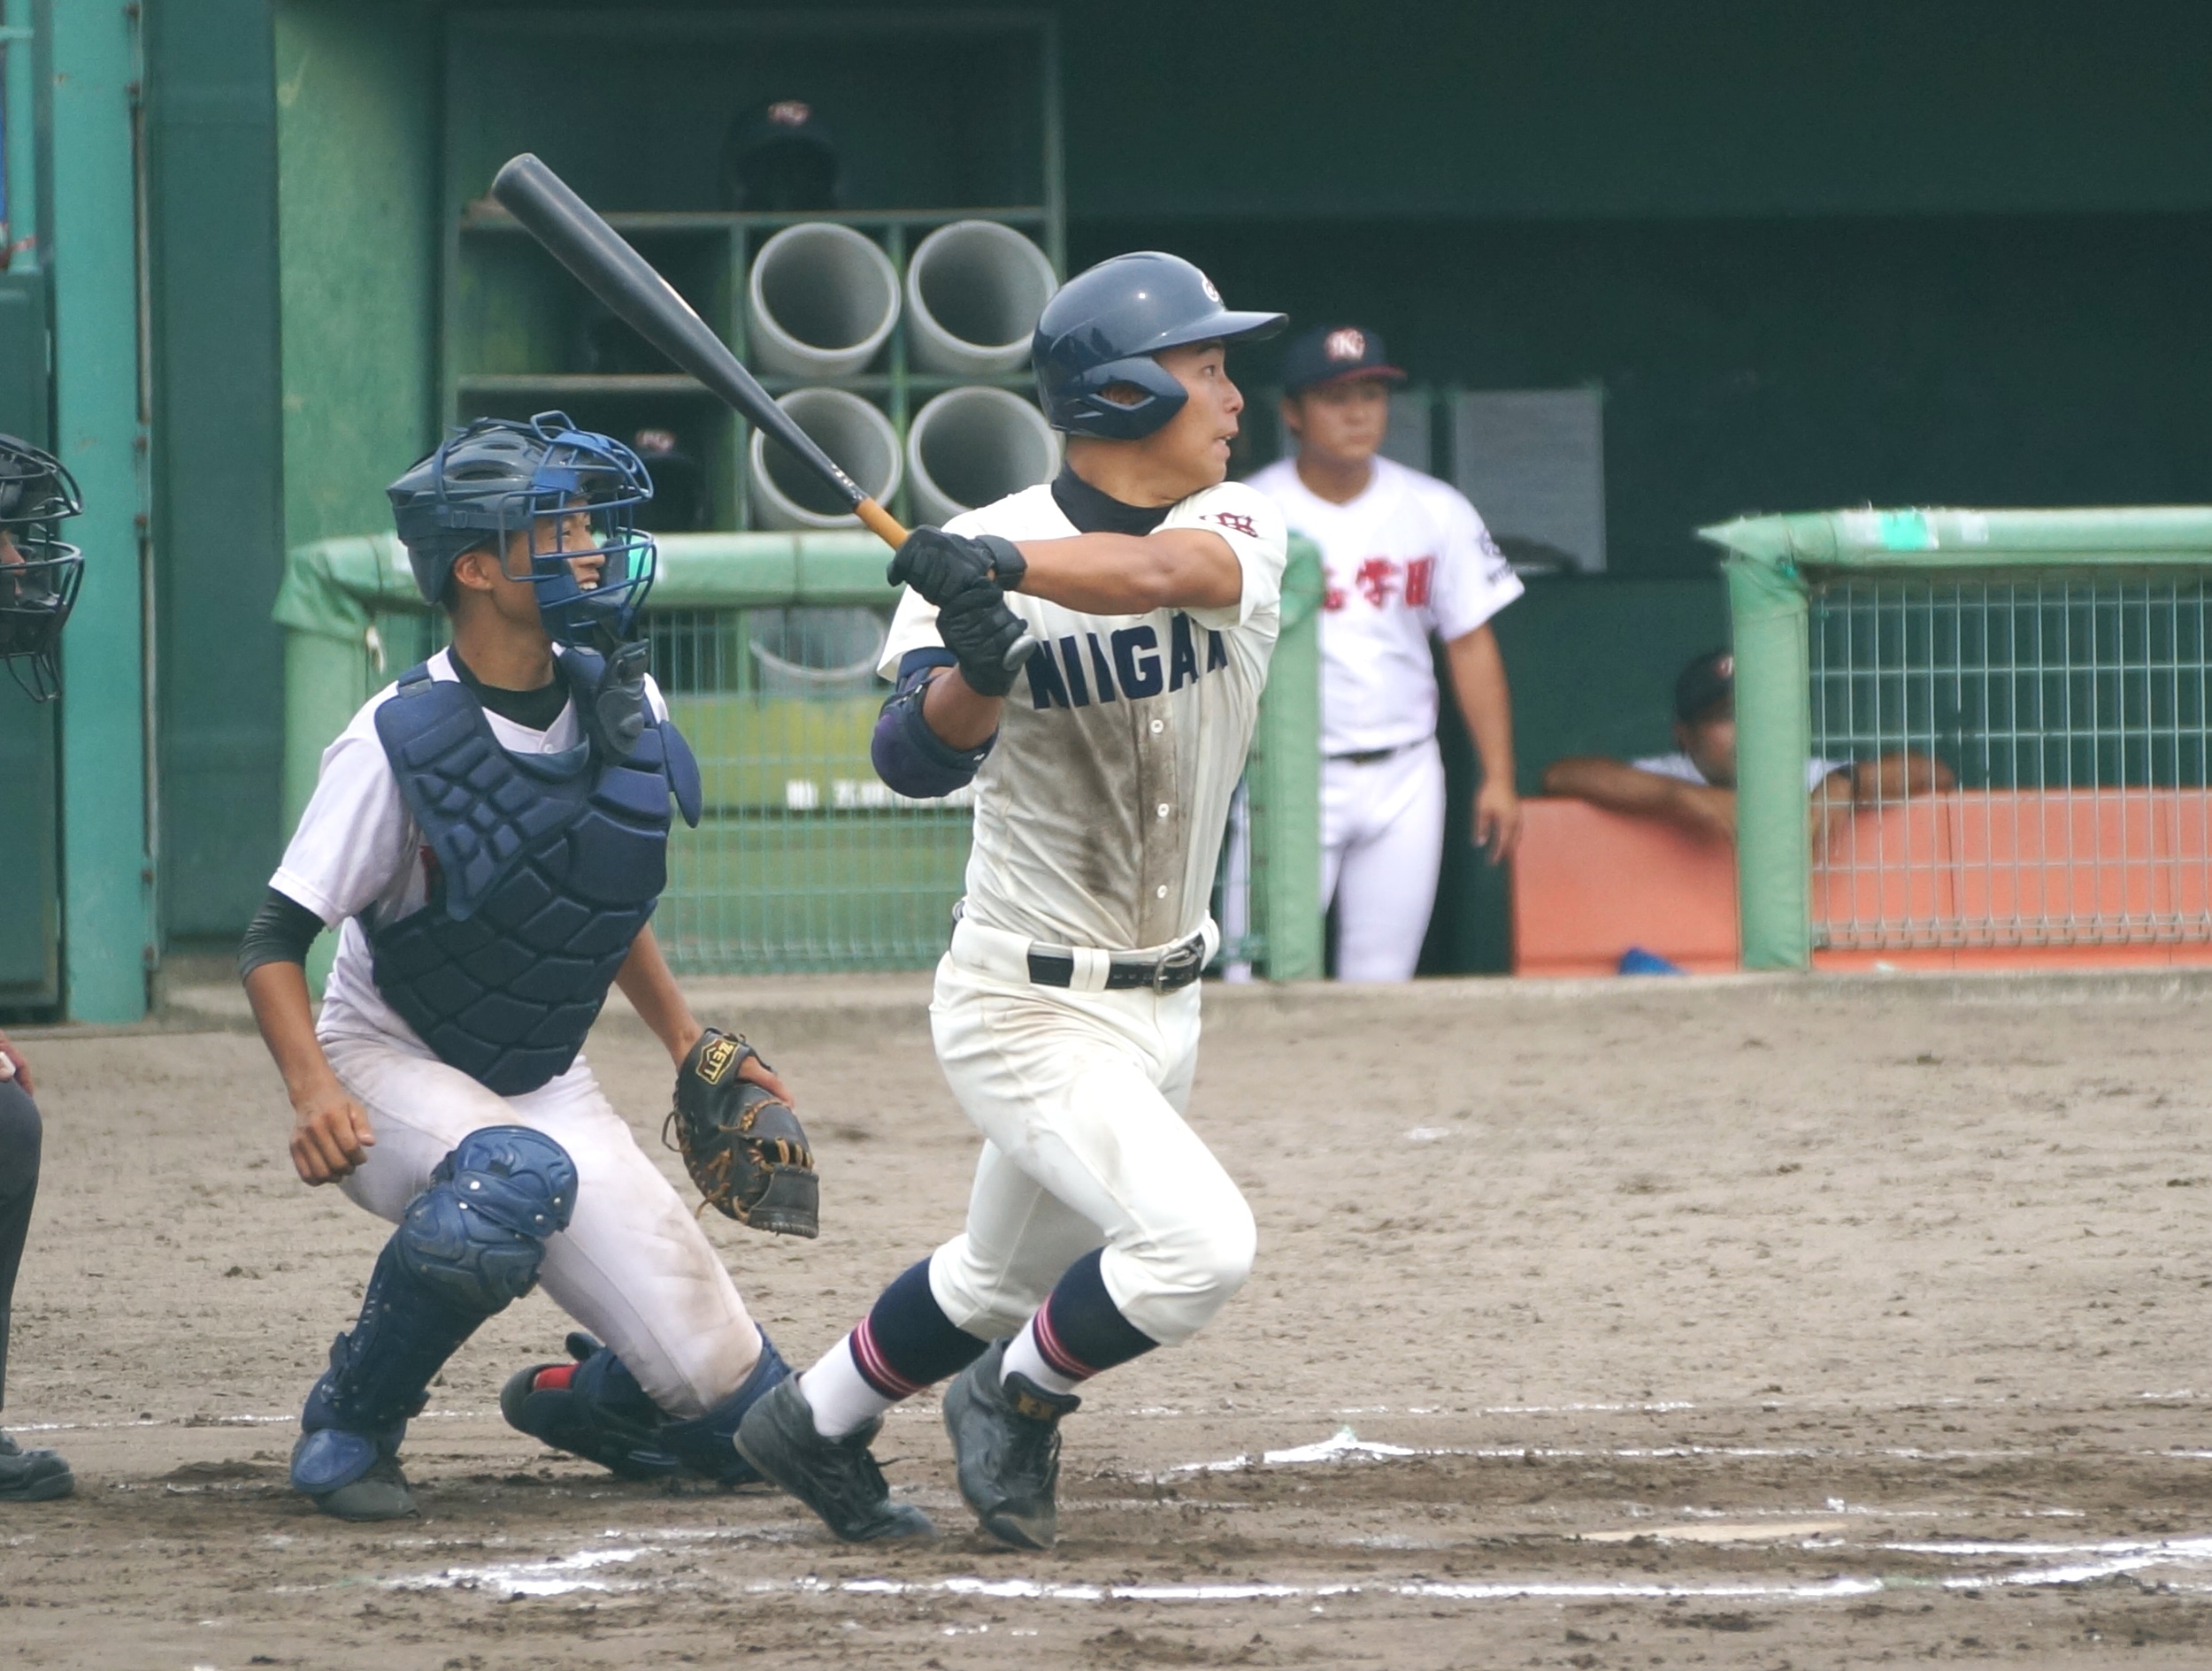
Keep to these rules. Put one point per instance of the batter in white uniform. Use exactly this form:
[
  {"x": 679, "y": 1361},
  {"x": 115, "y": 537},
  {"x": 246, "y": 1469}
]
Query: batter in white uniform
[
  {"x": 1066, "y": 1013},
  {"x": 1406, "y": 556},
  {"x": 489, "y": 835}
]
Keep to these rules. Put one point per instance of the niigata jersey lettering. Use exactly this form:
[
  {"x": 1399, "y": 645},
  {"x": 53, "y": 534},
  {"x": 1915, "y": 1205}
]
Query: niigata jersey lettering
[
  {"x": 1099, "y": 814},
  {"x": 358, "y": 849},
  {"x": 1408, "y": 557}
]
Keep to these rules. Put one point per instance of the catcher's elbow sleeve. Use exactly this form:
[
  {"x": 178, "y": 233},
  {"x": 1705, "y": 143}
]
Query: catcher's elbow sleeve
[
  {"x": 914, "y": 760},
  {"x": 280, "y": 932}
]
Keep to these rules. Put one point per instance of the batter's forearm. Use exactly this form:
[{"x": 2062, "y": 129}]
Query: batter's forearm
[
  {"x": 1486, "y": 701},
  {"x": 1134, "y": 574},
  {"x": 957, "y": 714},
  {"x": 282, "y": 1011},
  {"x": 649, "y": 984}
]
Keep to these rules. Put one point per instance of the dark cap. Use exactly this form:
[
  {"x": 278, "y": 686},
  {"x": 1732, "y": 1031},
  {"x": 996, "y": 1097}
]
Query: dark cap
[
  {"x": 1333, "y": 353},
  {"x": 1703, "y": 685},
  {"x": 778, "y": 157}
]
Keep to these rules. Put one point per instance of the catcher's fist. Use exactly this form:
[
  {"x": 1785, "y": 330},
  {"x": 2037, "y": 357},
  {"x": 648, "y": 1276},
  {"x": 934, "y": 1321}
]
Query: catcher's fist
[{"x": 741, "y": 1141}]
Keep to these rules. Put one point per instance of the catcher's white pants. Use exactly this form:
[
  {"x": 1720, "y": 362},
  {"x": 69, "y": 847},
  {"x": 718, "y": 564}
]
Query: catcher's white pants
[
  {"x": 634, "y": 1267},
  {"x": 1080, "y": 1097},
  {"x": 1382, "y": 843}
]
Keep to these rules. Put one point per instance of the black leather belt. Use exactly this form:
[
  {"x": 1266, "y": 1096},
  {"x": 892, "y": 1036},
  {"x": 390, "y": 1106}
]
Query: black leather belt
[
  {"x": 1175, "y": 969},
  {"x": 1368, "y": 756}
]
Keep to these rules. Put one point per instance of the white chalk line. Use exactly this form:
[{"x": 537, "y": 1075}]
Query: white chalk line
[{"x": 582, "y": 1573}]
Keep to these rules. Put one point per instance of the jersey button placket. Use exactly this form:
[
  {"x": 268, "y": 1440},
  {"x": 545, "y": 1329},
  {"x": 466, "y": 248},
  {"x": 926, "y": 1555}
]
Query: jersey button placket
[{"x": 1162, "y": 856}]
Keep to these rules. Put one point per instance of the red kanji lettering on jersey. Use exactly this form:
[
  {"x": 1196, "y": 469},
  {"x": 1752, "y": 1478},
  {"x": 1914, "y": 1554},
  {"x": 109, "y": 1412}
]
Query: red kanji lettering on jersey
[
  {"x": 1376, "y": 578},
  {"x": 1420, "y": 577},
  {"x": 1236, "y": 520},
  {"x": 1332, "y": 597}
]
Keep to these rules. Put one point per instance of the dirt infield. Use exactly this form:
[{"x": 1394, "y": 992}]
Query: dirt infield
[{"x": 1664, "y": 1325}]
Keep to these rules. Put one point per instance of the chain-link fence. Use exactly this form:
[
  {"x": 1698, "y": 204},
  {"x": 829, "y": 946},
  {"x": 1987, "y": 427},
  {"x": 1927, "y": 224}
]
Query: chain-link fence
[
  {"x": 1974, "y": 732},
  {"x": 2026, "y": 760}
]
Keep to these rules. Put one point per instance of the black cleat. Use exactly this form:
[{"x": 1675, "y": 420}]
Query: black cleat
[
  {"x": 837, "y": 1478},
  {"x": 379, "y": 1494},
  {"x": 1006, "y": 1438},
  {"x": 591, "y": 1407},
  {"x": 31, "y": 1476}
]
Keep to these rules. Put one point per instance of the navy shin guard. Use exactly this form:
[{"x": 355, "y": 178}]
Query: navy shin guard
[{"x": 469, "y": 1246}]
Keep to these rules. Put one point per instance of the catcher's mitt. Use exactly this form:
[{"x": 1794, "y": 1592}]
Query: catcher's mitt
[{"x": 740, "y": 1142}]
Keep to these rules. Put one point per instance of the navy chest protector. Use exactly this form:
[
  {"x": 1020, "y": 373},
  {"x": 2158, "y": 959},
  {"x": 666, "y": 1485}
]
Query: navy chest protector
[{"x": 546, "y": 866}]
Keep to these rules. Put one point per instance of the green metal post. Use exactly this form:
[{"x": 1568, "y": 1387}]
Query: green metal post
[
  {"x": 1773, "y": 740},
  {"x": 1284, "y": 778},
  {"x": 91, "y": 234}
]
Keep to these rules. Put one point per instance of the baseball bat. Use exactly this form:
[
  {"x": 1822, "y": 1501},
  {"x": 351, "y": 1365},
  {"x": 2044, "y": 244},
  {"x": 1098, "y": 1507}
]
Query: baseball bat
[{"x": 604, "y": 262}]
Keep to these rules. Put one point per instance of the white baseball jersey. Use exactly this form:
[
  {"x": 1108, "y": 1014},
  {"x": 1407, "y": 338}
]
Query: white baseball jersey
[
  {"x": 1408, "y": 557},
  {"x": 358, "y": 848},
  {"x": 1099, "y": 814},
  {"x": 1681, "y": 766}
]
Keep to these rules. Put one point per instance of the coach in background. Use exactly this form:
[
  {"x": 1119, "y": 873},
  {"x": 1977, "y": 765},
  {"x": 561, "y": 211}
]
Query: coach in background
[
  {"x": 1695, "y": 786},
  {"x": 1405, "y": 555}
]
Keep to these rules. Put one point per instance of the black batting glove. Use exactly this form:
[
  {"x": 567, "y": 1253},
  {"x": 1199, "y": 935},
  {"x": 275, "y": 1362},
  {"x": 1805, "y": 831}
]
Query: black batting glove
[
  {"x": 940, "y": 565},
  {"x": 978, "y": 629}
]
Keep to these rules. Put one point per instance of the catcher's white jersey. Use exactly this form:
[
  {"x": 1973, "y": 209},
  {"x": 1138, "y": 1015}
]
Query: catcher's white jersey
[
  {"x": 1099, "y": 814},
  {"x": 1408, "y": 557}
]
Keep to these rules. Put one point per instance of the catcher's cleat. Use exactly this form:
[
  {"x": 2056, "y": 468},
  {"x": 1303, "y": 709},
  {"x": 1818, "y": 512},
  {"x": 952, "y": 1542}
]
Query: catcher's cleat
[
  {"x": 380, "y": 1494},
  {"x": 31, "y": 1476},
  {"x": 837, "y": 1478},
  {"x": 1006, "y": 1436},
  {"x": 592, "y": 1408}
]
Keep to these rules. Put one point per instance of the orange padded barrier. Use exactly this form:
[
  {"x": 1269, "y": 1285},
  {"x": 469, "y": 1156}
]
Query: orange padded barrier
[{"x": 1588, "y": 884}]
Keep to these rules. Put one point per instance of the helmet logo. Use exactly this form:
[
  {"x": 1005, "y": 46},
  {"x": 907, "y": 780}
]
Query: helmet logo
[
  {"x": 1347, "y": 344},
  {"x": 790, "y": 112},
  {"x": 1206, "y": 285}
]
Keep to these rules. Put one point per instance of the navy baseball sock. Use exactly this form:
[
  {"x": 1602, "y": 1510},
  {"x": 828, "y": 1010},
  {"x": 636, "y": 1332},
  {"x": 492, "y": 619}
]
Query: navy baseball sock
[
  {"x": 1076, "y": 1332},
  {"x": 904, "y": 1344}
]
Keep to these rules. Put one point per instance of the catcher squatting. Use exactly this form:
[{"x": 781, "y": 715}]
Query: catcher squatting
[{"x": 489, "y": 835}]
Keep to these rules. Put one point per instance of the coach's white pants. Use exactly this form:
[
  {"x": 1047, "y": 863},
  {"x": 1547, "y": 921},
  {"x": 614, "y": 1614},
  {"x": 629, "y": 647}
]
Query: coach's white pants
[
  {"x": 634, "y": 1267},
  {"x": 1382, "y": 842},
  {"x": 1079, "y": 1096}
]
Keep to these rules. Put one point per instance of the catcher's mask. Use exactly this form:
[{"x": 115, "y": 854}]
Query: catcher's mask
[
  {"x": 39, "y": 572},
  {"x": 568, "y": 492}
]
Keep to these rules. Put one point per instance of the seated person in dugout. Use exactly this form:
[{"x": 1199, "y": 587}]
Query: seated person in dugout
[{"x": 1694, "y": 787}]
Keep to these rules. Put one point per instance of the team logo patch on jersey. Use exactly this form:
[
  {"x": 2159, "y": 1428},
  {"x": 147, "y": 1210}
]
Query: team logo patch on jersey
[
  {"x": 1348, "y": 344},
  {"x": 1236, "y": 521},
  {"x": 715, "y": 1060}
]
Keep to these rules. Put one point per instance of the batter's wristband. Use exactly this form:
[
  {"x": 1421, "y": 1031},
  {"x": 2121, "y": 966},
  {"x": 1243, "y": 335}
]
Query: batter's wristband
[{"x": 1008, "y": 565}]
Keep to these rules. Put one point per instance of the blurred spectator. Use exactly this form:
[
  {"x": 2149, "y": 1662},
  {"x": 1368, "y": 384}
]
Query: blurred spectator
[{"x": 1695, "y": 786}]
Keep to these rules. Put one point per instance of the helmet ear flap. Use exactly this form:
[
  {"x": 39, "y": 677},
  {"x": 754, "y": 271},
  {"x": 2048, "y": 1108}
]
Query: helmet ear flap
[{"x": 1099, "y": 415}]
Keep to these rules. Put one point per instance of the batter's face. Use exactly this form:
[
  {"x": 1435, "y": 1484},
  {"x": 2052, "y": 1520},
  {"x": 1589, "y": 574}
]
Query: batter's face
[
  {"x": 505, "y": 584},
  {"x": 1194, "y": 445},
  {"x": 1339, "y": 422},
  {"x": 1709, "y": 740}
]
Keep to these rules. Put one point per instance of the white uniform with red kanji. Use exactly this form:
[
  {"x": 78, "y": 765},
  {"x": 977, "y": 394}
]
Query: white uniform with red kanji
[{"x": 1407, "y": 558}]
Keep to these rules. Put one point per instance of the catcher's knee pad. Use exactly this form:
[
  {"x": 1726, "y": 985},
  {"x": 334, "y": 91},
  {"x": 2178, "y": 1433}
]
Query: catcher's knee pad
[
  {"x": 476, "y": 1235},
  {"x": 468, "y": 1247}
]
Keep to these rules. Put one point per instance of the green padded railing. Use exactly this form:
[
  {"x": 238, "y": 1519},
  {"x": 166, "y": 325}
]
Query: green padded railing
[
  {"x": 2056, "y": 660},
  {"x": 804, "y": 861}
]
